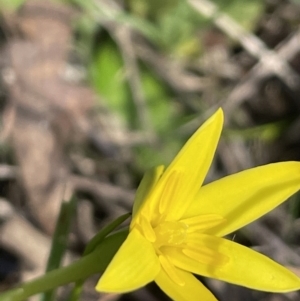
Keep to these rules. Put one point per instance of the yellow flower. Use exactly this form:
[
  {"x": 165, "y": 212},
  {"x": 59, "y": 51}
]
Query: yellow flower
[{"x": 177, "y": 225}]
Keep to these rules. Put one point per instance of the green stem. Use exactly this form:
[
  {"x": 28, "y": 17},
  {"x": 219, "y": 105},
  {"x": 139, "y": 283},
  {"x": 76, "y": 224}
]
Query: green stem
[
  {"x": 88, "y": 265},
  {"x": 94, "y": 242}
]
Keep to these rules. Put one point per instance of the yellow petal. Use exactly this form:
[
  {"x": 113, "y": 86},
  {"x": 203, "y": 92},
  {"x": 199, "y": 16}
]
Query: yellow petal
[
  {"x": 147, "y": 184},
  {"x": 134, "y": 265},
  {"x": 192, "y": 290},
  {"x": 183, "y": 178},
  {"x": 245, "y": 267},
  {"x": 247, "y": 195}
]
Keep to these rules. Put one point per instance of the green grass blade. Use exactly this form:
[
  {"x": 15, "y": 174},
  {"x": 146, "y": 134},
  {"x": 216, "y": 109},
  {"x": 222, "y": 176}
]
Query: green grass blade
[{"x": 59, "y": 241}]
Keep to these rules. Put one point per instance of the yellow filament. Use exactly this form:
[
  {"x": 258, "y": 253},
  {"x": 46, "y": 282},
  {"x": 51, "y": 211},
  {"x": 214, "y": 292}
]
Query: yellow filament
[
  {"x": 170, "y": 270},
  {"x": 205, "y": 249},
  {"x": 147, "y": 228},
  {"x": 169, "y": 190},
  {"x": 203, "y": 222},
  {"x": 206, "y": 256}
]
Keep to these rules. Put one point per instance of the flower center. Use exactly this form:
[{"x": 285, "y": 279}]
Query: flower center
[{"x": 170, "y": 233}]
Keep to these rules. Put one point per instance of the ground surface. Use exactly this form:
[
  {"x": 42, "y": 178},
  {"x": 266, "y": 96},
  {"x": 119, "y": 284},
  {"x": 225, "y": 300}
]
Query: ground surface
[{"x": 95, "y": 92}]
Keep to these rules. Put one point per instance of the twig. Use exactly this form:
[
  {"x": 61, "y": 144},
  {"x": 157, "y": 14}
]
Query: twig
[
  {"x": 262, "y": 235},
  {"x": 272, "y": 61},
  {"x": 105, "y": 191},
  {"x": 85, "y": 221},
  {"x": 6, "y": 210},
  {"x": 7, "y": 172},
  {"x": 247, "y": 88},
  {"x": 173, "y": 73}
]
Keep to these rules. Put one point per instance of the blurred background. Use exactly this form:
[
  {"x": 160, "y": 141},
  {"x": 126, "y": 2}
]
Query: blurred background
[{"x": 93, "y": 93}]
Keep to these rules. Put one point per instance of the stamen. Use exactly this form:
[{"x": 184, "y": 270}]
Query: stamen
[
  {"x": 147, "y": 228},
  {"x": 169, "y": 190},
  {"x": 206, "y": 256},
  {"x": 205, "y": 249},
  {"x": 203, "y": 222},
  {"x": 171, "y": 270}
]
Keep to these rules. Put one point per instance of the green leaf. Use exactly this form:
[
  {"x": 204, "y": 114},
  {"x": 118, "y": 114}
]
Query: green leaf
[
  {"x": 244, "y": 12},
  {"x": 99, "y": 237},
  {"x": 107, "y": 76},
  {"x": 10, "y": 5},
  {"x": 59, "y": 241},
  {"x": 158, "y": 102},
  {"x": 180, "y": 28}
]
